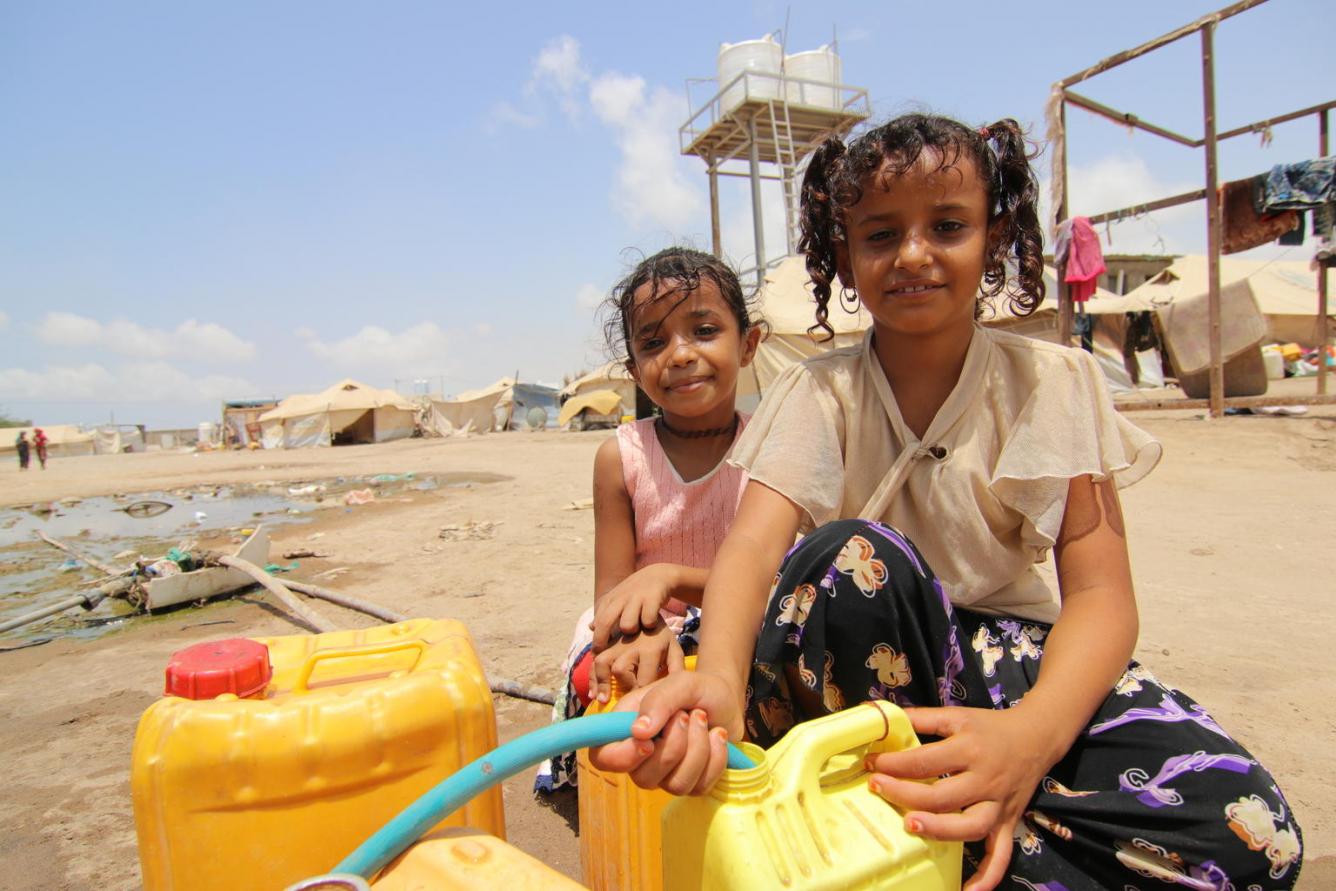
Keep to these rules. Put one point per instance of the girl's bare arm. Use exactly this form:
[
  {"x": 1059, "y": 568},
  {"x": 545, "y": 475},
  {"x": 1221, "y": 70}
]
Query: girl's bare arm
[{"x": 614, "y": 522}]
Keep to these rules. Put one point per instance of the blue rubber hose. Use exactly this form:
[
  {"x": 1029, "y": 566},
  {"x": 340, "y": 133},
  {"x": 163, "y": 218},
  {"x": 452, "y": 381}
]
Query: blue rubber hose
[{"x": 450, "y": 794}]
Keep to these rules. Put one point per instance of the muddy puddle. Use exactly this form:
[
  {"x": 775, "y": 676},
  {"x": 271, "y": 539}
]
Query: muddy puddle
[{"x": 116, "y": 530}]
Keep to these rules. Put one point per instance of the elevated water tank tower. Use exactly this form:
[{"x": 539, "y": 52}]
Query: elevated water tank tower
[{"x": 768, "y": 112}]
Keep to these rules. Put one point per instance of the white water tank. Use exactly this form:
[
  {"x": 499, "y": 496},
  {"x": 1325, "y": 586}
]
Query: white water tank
[
  {"x": 207, "y": 431},
  {"x": 821, "y": 65},
  {"x": 764, "y": 56}
]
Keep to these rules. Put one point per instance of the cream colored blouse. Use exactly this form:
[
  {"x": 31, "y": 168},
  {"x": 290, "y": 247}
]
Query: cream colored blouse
[{"x": 983, "y": 493}]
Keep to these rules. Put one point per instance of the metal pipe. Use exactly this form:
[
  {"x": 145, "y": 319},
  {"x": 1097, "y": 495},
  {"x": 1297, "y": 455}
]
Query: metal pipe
[
  {"x": 344, "y": 600},
  {"x": 1177, "y": 34},
  {"x": 716, "y": 236},
  {"x": 1212, "y": 219},
  {"x": 87, "y": 601},
  {"x": 1136, "y": 209},
  {"x": 1233, "y": 402},
  {"x": 758, "y": 220},
  {"x": 1324, "y": 327},
  {"x": 1269, "y": 122},
  {"x": 1131, "y": 120},
  {"x": 1064, "y": 292}
]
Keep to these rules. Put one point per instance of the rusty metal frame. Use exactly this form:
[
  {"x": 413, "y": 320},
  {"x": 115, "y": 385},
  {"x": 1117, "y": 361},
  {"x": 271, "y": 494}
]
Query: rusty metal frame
[{"x": 1205, "y": 26}]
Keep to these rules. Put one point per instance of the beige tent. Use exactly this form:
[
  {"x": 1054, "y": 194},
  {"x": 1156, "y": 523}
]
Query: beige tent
[
  {"x": 504, "y": 404},
  {"x": 1285, "y": 292},
  {"x": 786, "y": 303},
  {"x": 594, "y": 406},
  {"x": 348, "y": 412},
  {"x": 63, "y": 440},
  {"x": 612, "y": 377}
]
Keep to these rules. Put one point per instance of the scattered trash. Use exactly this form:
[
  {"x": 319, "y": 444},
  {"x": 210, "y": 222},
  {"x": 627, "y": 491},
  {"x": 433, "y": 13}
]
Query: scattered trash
[
  {"x": 332, "y": 573},
  {"x": 71, "y": 565},
  {"x": 306, "y": 490},
  {"x": 298, "y": 555},
  {"x": 160, "y": 569},
  {"x": 359, "y": 496},
  {"x": 315, "y": 535},
  {"x": 381, "y": 478},
  {"x": 126, "y": 555},
  {"x": 469, "y": 531},
  {"x": 200, "y": 517},
  {"x": 142, "y": 510},
  {"x": 582, "y": 504},
  {"x": 426, "y": 485},
  {"x": 275, "y": 568}
]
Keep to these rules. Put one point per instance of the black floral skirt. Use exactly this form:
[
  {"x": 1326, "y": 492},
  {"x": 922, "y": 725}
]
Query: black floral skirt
[{"x": 1153, "y": 792}]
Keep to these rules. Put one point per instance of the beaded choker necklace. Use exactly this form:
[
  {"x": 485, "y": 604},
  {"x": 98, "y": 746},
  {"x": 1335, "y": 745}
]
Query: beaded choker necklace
[{"x": 699, "y": 434}]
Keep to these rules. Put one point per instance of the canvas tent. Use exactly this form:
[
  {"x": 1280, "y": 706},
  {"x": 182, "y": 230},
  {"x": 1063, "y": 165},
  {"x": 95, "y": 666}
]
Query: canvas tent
[
  {"x": 1285, "y": 292},
  {"x": 786, "y": 303},
  {"x": 612, "y": 377},
  {"x": 348, "y": 412},
  {"x": 63, "y": 440},
  {"x": 504, "y": 404}
]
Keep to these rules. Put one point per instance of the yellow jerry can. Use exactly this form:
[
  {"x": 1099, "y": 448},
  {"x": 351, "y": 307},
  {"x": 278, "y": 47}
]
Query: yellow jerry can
[
  {"x": 291, "y": 751},
  {"x": 469, "y": 860},
  {"x": 804, "y": 817}
]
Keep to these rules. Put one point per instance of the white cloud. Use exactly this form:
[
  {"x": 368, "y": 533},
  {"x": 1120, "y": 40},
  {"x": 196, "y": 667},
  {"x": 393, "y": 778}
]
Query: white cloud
[
  {"x": 504, "y": 114},
  {"x": 559, "y": 70},
  {"x": 373, "y": 347},
  {"x": 1122, "y": 180},
  {"x": 190, "y": 340},
  {"x": 131, "y": 382},
  {"x": 652, "y": 186},
  {"x": 588, "y": 297}
]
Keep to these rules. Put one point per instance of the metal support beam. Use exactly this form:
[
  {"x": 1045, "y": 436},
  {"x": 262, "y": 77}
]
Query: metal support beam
[
  {"x": 716, "y": 239},
  {"x": 1324, "y": 326},
  {"x": 1257, "y": 126},
  {"x": 1234, "y": 402},
  {"x": 1212, "y": 219},
  {"x": 1128, "y": 119},
  {"x": 1060, "y": 269},
  {"x": 1177, "y": 34},
  {"x": 1138, "y": 209},
  {"x": 758, "y": 220}
]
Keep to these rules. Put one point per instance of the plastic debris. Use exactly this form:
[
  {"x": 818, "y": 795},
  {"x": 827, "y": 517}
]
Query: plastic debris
[
  {"x": 359, "y": 496},
  {"x": 312, "y": 489},
  {"x": 200, "y": 517},
  {"x": 470, "y": 531}
]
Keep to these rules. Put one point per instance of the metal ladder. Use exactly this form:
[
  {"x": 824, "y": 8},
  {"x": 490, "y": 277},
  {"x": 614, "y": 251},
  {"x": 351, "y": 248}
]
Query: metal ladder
[{"x": 782, "y": 131}]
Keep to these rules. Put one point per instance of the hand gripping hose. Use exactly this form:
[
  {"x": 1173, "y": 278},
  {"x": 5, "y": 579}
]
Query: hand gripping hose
[{"x": 412, "y": 823}]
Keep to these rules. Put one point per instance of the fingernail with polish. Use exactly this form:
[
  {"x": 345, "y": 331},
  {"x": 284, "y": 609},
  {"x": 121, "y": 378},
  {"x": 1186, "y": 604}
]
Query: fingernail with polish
[
  {"x": 645, "y": 747},
  {"x": 913, "y": 826},
  {"x": 642, "y": 722}
]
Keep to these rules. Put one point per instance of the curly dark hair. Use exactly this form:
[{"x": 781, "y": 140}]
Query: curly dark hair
[
  {"x": 838, "y": 174},
  {"x": 684, "y": 268}
]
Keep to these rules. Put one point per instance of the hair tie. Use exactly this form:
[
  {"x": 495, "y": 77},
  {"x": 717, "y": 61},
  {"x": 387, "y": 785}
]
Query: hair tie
[{"x": 984, "y": 134}]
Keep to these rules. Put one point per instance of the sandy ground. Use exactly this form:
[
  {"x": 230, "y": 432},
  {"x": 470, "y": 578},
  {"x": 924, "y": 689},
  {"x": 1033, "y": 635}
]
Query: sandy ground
[{"x": 1231, "y": 541}]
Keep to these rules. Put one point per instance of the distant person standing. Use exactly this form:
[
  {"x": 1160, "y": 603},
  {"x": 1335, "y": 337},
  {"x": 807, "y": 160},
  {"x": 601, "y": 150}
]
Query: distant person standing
[
  {"x": 22, "y": 445},
  {"x": 39, "y": 445}
]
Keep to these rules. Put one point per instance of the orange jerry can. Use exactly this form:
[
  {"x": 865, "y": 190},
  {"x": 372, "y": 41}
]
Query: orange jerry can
[
  {"x": 468, "y": 860},
  {"x": 270, "y": 760},
  {"x": 621, "y": 847}
]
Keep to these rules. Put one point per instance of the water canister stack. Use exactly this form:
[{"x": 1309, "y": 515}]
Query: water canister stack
[
  {"x": 821, "y": 65},
  {"x": 764, "y": 57}
]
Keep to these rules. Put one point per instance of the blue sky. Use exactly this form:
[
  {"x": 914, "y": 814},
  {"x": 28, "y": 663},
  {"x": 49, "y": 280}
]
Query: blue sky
[{"x": 206, "y": 201}]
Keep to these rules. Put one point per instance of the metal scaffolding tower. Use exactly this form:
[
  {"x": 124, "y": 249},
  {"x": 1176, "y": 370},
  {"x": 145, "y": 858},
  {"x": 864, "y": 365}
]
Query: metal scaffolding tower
[{"x": 766, "y": 122}]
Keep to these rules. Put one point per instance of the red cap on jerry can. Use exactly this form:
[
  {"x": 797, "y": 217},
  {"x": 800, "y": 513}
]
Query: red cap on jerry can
[{"x": 207, "y": 670}]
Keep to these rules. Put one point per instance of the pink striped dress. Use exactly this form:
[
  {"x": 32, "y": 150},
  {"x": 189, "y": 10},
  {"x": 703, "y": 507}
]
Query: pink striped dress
[{"x": 676, "y": 521}]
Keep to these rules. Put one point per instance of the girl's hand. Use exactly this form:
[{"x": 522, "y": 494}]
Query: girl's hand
[
  {"x": 679, "y": 742},
  {"x": 637, "y": 661},
  {"x": 992, "y": 762},
  {"x": 633, "y": 604}
]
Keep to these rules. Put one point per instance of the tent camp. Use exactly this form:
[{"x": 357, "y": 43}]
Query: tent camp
[
  {"x": 503, "y": 405},
  {"x": 63, "y": 440},
  {"x": 612, "y": 377},
  {"x": 786, "y": 303},
  {"x": 348, "y": 412},
  {"x": 1285, "y": 292}
]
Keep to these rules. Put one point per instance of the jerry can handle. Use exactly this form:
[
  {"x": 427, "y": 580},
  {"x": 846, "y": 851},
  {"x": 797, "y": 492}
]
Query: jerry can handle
[
  {"x": 863, "y": 725},
  {"x": 304, "y": 679}
]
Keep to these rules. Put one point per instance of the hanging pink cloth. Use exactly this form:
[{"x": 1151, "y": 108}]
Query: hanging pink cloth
[{"x": 1085, "y": 260}]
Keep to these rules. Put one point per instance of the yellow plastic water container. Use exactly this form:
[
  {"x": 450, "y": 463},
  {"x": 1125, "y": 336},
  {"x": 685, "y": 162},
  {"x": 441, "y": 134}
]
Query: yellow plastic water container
[
  {"x": 804, "y": 818},
  {"x": 469, "y": 860},
  {"x": 291, "y": 751},
  {"x": 621, "y": 844}
]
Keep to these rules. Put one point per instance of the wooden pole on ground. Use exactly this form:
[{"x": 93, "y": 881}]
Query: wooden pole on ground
[{"x": 57, "y": 543}]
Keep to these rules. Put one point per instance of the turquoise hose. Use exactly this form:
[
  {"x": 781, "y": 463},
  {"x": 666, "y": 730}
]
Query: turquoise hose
[{"x": 450, "y": 794}]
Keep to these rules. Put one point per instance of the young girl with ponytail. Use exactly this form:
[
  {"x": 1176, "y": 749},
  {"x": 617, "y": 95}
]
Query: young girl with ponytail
[{"x": 930, "y": 470}]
